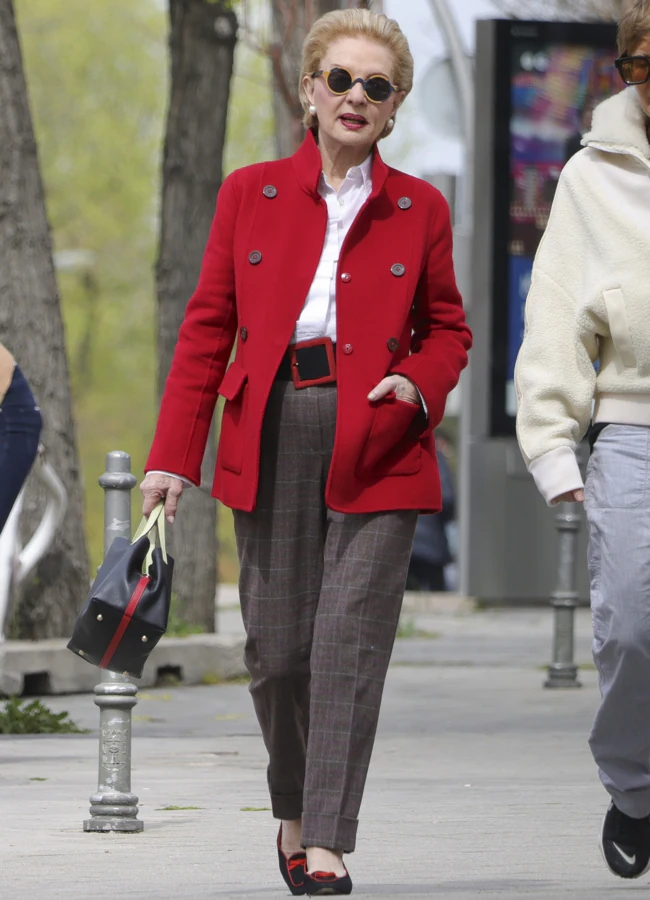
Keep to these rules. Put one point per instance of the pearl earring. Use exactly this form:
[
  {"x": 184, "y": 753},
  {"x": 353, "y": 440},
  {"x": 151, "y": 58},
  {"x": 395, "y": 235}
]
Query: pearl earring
[
  {"x": 312, "y": 109},
  {"x": 390, "y": 125}
]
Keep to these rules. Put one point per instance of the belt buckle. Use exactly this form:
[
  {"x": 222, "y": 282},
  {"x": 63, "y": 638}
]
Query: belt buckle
[{"x": 325, "y": 342}]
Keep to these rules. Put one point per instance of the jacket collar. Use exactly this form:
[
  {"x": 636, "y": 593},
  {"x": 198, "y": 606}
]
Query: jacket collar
[
  {"x": 619, "y": 126},
  {"x": 308, "y": 166}
]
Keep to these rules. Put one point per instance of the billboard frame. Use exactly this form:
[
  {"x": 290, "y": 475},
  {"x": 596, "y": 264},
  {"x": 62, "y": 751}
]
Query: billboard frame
[{"x": 505, "y": 34}]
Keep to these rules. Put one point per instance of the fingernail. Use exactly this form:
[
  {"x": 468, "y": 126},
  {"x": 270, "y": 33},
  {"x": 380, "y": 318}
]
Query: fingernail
[
  {"x": 170, "y": 519},
  {"x": 372, "y": 395}
]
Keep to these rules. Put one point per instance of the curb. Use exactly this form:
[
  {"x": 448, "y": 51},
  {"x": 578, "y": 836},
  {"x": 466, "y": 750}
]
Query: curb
[
  {"x": 444, "y": 603},
  {"x": 48, "y": 667}
]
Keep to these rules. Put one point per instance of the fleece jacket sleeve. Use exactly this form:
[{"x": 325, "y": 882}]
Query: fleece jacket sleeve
[{"x": 554, "y": 375}]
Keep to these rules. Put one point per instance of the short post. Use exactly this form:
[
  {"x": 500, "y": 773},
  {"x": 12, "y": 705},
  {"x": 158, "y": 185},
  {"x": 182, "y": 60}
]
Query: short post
[
  {"x": 114, "y": 807},
  {"x": 563, "y": 672}
]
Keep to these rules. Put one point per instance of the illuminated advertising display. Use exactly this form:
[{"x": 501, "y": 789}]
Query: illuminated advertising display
[{"x": 549, "y": 77}]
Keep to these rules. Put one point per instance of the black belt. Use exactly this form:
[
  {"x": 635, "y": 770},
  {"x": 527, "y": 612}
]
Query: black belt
[{"x": 309, "y": 363}]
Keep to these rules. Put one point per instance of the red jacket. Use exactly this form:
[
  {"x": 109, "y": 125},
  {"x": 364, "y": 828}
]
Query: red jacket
[{"x": 397, "y": 310}]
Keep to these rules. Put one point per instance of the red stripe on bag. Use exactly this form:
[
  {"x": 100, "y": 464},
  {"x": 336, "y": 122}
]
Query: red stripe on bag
[{"x": 124, "y": 624}]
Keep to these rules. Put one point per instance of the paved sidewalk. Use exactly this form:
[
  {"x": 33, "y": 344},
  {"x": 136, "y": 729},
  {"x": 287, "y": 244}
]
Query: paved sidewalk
[{"x": 481, "y": 784}]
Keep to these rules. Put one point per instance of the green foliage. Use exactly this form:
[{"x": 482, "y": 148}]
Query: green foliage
[
  {"x": 21, "y": 717},
  {"x": 408, "y": 629},
  {"x": 98, "y": 84},
  {"x": 250, "y": 132},
  {"x": 176, "y": 808},
  {"x": 212, "y": 678},
  {"x": 177, "y": 626},
  {"x": 96, "y": 74}
]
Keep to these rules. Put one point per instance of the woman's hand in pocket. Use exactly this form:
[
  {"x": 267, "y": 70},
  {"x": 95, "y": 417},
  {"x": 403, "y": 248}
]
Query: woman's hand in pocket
[
  {"x": 401, "y": 386},
  {"x": 156, "y": 487}
]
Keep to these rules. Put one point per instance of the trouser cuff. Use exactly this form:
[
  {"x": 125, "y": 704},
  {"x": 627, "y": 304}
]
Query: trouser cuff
[
  {"x": 287, "y": 806},
  {"x": 633, "y": 804},
  {"x": 330, "y": 832}
]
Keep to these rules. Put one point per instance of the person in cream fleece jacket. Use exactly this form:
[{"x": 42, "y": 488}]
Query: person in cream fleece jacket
[{"x": 585, "y": 359}]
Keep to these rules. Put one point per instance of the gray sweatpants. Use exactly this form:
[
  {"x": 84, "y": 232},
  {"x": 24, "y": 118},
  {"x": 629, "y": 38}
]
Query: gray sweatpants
[{"x": 617, "y": 501}]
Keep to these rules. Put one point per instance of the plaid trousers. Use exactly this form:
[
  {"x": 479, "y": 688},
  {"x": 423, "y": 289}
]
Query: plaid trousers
[{"x": 321, "y": 594}]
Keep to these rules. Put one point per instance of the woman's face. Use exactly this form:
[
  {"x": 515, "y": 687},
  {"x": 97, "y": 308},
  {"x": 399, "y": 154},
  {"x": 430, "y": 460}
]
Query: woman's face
[
  {"x": 351, "y": 119},
  {"x": 643, "y": 90}
]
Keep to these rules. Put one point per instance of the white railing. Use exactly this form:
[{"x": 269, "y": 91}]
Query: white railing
[{"x": 16, "y": 561}]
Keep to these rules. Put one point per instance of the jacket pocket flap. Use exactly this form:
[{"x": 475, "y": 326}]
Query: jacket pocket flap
[{"x": 233, "y": 381}]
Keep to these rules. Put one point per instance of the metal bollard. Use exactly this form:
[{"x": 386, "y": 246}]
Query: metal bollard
[
  {"x": 563, "y": 672},
  {"x": 114, "y": 807}
]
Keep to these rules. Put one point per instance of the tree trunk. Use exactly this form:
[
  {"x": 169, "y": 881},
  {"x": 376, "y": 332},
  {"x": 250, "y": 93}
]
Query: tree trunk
[
  {"x": 31, "y": 326},
  {"x": 291, "y": 20},
  {"x": 202, "y": 42}
]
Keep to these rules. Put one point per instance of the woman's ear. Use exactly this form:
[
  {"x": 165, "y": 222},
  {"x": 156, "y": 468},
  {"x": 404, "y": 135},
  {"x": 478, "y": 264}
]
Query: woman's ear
[
  {"x": 308, "y": 88},
  {"x": 398, "y": 98}
]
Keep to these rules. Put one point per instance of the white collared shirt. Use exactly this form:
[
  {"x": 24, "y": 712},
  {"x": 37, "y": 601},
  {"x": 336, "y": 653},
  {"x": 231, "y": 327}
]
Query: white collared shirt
[{"x": 318, "y": 316}]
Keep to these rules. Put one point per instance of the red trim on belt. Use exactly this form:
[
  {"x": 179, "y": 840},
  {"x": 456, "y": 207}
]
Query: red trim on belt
[{"x": 126, "y": 619}]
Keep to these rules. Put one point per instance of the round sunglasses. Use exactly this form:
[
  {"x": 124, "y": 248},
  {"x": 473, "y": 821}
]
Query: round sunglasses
[
  {"x": 633, "y": 69},
  {"x": 377, "y": 88}
]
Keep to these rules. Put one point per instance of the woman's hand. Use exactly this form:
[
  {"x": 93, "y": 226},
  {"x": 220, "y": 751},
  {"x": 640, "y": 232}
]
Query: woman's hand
[
  {"x": 404, "y": 389},
  {"x": 570, "y": 497},
  {"x": 157, "y": 487}
]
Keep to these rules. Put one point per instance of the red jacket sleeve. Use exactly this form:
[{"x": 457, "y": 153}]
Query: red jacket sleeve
[
  {"x": 205, "y": 341},
  {"x": 441, "y": 337}
]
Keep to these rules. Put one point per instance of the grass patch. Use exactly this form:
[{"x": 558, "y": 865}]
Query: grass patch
[
  {"x": 38, "y": 779},
  {"x": 211, "y": 678},
  {"x": 21, "y": 717},
  {"x": 408, "y": 629},
  {"x": 176, "y": 808},
  {"x": 168, "y": 679},
  {"x": 177, "y": 626},
  {"x": 255, "y": 809}
]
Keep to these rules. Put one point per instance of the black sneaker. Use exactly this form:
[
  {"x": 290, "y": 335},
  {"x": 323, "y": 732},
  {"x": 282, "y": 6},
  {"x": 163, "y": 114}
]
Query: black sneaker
[{"x": 626, "y": 843}]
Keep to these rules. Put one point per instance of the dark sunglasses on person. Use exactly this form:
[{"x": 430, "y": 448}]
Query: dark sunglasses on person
[
  {"x": 377, "y": 88},
  {"x": 633, "y": 69}
]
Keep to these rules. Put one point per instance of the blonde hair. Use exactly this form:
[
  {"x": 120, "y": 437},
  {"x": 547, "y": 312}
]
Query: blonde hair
[
  {"x": 344, "y": 23},
  {"x": 634, "y": 27}
]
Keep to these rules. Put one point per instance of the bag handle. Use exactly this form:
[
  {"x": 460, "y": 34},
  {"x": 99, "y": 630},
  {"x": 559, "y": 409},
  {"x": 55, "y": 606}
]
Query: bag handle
[{"x": 152, "y": 526}]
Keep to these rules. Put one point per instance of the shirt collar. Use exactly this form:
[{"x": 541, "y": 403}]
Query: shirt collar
[
  {"x": 307, "y": 165},
  {"x": 366, "y": 171},
  {"x": 358, "y": 175}
]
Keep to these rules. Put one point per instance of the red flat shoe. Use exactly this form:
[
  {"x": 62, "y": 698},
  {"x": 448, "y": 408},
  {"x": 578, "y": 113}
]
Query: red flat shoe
[
  {"x": 321, "y": 884},
  {"x": 292, "y": 868}
]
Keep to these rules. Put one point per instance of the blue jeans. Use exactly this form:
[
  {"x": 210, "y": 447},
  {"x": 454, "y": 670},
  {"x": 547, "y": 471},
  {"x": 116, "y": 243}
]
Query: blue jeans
[{"x": 20, "y": 429}]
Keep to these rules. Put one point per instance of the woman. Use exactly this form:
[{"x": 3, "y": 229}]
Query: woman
[
  {"x": 588, "y": 305},
  {"x": 335, "y": 273},
  {"x": 20, "y": 428}
]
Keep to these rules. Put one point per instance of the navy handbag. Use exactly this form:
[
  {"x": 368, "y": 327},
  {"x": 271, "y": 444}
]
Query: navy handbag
[{"x": 127, "y": 609}]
